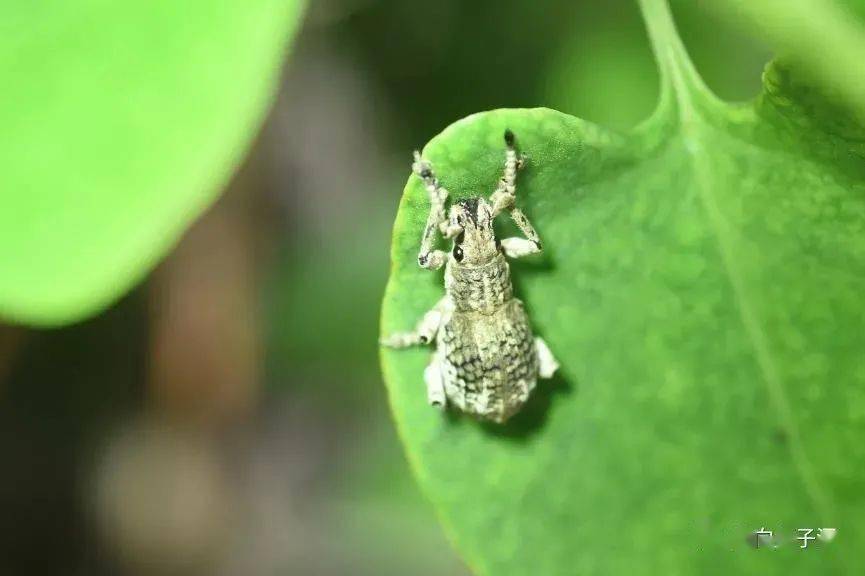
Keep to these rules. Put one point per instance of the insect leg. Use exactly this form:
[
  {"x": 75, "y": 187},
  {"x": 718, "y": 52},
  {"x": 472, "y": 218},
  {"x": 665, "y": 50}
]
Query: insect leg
[
  {"x": 518, "y": 247},
  {"x": 503, "y": 199},
  {"x": 547, "y": 364},
  {"x": 437, "y": 219},
  {"x": 505, "y": 194},
  {"x": 435, "y": 389},
  {"x": 422, "y": 334}
]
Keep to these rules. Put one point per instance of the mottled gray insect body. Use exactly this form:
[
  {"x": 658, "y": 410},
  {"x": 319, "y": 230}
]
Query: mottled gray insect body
[{"x": 487, "y": 360}]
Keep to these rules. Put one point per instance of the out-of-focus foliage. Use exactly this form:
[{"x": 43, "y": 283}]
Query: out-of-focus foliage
[
  {"x": 616, "y": 61},
  {"x": 121, "y": 122},
  {"x": 323, "y": 314},
  {"x": 702, "y": 289},
  {"x": 824, "y": 38},
  {"x": 603, "y": 70}
]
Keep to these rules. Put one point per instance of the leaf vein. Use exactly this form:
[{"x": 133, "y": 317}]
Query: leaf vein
[{"x": 756, "y": 335}]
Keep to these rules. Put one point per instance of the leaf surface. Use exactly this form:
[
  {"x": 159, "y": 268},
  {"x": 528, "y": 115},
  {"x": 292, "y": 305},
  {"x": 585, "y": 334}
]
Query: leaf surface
[
  {"x": 702, "y": 286},
  {"x": 121, "y": 122}
]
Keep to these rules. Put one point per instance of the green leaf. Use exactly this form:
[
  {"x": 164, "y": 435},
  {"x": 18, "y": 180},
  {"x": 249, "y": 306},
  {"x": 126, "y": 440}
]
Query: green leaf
[
  {"x": 702, "y": 287},
  {"x": 824, "y": 38},
  {"x": 121, "y": 123}
]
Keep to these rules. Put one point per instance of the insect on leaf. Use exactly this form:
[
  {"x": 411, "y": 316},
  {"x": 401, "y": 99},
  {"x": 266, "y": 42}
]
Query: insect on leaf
[{"x": 703, "y": 290}]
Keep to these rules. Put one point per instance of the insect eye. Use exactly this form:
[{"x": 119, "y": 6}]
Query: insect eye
[{"x": 458, "y": 254}]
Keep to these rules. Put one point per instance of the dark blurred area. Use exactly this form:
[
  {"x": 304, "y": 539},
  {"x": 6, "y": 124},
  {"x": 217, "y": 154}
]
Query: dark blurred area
[{"x": 228, "y": 416}]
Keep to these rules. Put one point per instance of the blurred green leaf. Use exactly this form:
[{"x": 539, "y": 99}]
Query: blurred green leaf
[
  {"x": 703, "y": 291},
  {"x": 615, "y": 62},
  {"x": 824, "y": 38},
  {"x": 330, "y": 351},
  {"x": 379, "y": 509},
  {"x": 121, "y": 123}
]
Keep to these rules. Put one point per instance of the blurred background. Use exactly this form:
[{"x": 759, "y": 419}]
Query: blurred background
[{"x": 228, "y": 417}]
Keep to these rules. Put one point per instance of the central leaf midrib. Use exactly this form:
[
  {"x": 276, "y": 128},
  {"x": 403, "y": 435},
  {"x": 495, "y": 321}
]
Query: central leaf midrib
[
  {"x": 693, "y": 130},
  {"x": 683, "y": 99}
]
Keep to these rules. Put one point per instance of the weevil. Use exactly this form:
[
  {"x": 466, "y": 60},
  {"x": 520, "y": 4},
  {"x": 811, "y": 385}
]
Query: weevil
[{"x": 487, "y": 360}]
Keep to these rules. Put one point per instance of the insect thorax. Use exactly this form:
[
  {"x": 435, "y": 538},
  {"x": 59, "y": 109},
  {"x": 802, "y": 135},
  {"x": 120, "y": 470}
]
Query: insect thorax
[{"x": 479, "y": 289}]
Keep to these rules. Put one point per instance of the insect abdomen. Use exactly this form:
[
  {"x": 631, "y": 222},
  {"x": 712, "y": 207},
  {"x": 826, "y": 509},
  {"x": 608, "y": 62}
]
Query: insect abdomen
[{"x": 489, "y": 363}]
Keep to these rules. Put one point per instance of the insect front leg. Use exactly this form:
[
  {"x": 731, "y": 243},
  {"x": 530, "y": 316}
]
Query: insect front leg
[
  {"x": 504, "y": 198},
  {"x": 519, "y": 247},
  {"x": 437, "y": 219},
  {"x": 505, "y": 195},
  {"x": 423, "y": 333}
]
